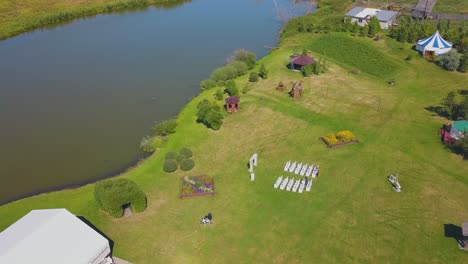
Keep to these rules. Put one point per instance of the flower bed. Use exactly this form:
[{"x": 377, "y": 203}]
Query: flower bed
[
  {"x": 197, "y": 186},
  {"x": 339, "y": 139}
]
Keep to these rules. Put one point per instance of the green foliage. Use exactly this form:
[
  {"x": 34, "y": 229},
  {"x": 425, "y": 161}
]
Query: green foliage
[
  {"x": 224, "y": 73},
  {"x": 207, "y": 84},
  {"x": 253, "y": 77},
  {"x": 461, "y": 146},
  {"x": 219, "y": 95},
  {"x": 231, "y": 88},
  {"x": 364, "y": 31},
  {"x": 171, "y": 155},
  {"x": 179, "y": 158},
  {"x": 246, "y": 89},
  {"x": 307, "y": 70},
  {"x": 463, "y": 67},
  {"x": 374, "y": 26},
  {"x": 450, "y": 60},
  {"x": 170, "y": 165},
  {"x": 165, "y": 127},
  {"x": 245, "y": 56},
  {"x": 355, "y": 28},
  {"x": 187, "y": 164},
  {"x": 112, "y": 194},
  {"x": 186, "y": 152},
  {"x": 240, "y": 66},
  {"x": 209, "y": 114},
  {"x": 455, "y": 106},
  {"x": 263, "y": 72},
  {"x": 147, "y": 145}
]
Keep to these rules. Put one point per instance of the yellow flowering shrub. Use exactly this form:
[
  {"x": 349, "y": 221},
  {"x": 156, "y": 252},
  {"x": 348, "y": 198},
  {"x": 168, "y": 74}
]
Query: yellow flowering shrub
[
  {"x": 342, "y": 136},
  {"x": 345, "y": 136},
  {"x": 330, "y": 139}
]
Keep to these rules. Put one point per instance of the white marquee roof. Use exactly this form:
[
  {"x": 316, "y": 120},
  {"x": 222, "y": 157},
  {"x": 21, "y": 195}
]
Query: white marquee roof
[{"x": 50, "y": 236}]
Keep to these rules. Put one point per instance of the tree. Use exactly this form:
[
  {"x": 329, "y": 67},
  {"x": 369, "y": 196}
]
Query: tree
[
  {"x": 374, "y": 26},
  {"x": 364, "y": 31},
  {"x": 248, "y": 57},
  {"x": 214, "y": 120},
  {"x": 219, "y": 95},
  {"x": 231, "y": 88},
  {"x": 263, "y": 72},
  {"x": 209, "y": 114},
  {"x": 450, "y": 60},
  {"x": 449, "y": 102},
  {"x": 165, "y": 127},
  {"x": 463, "y": 67},
  {"x": 347, "y": 25},
  {"x": 355, "y": 28},
  {"x": 307, "y": 70},
  {"x": 207, "y": 84},
  {"x": 253, "y": 77}
]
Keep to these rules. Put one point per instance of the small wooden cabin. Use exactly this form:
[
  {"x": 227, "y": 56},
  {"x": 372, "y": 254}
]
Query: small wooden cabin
[
  {"x": 232, "y": 104},
  {"x": 299, "y": 61},
  {"x": 296, "y": 91}
]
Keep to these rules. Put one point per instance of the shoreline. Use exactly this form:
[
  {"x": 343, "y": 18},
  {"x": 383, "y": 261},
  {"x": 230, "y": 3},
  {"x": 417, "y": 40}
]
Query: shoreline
[
  {"x": 57, "y": 18},
  {"x": 80, "y": 183}
]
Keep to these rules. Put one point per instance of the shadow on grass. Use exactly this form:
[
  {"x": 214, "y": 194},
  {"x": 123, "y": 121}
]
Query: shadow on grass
[
  {"x": 111, "y": 242},
  {"x": 455, "y": 232},
  {"x": 437, "y": 110}
]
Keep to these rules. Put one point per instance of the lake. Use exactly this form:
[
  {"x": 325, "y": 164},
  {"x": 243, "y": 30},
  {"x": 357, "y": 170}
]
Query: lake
[{"x": 76, "y": 99}]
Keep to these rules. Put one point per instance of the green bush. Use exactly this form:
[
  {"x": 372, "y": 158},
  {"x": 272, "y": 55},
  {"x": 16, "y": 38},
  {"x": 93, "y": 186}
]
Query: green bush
[
  {"x": 147, "y": 145},
  {"x": 209, "y": 114},
  {"x": 263, "y": 72},
  {"x": 245, "y": 56},
  {"x": 450, "y": 60},
  {"x": 170, "y": 165},
  {"x": 231, "y": 88},
  {"x": 113, "y": 194},
  {"x": 165, "y": 127},
  {"x": 187, "y": 164},
  {"x": 171, "y": 155},
  {"x": 186, "y": 152},
  {"x": 179, "y": 158},
  {"x": 253, "y": 77},
  {"x": 219, "y": 95},
  {"x": 241, "y": 67},
  {"x": 307, "y": 70},
  {"x": 207, "y": 84}
]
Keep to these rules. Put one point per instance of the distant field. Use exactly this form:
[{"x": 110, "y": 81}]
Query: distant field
[{"x": 354, "y": 52}]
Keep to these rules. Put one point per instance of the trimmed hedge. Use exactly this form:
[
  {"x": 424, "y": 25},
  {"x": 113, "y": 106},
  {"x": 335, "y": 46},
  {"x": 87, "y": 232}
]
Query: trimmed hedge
[
  {"x": 187, "y": 164},
  {"x": 171, "y": 155},
  {"x": 112, "y": 194},
  {"x": 186, "y": 152},
  {"x": 170, "y": 165},
  {"x": 179, "y": 158}
]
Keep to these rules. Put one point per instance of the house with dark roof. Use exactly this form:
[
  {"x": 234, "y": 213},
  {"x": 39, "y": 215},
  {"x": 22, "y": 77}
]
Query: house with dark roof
[{"x": 362, "y": 15}]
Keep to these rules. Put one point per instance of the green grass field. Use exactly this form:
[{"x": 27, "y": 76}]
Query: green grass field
[{"x": 351, "y": 214}]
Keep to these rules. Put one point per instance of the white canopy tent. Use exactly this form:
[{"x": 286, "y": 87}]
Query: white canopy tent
[
  {"x": 434, "y": 45},
  {"x": 52, "y": 236}
]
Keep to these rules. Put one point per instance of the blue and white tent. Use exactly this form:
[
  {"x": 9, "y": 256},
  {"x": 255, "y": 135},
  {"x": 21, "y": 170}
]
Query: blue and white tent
[{"x": 434, "y": 45}]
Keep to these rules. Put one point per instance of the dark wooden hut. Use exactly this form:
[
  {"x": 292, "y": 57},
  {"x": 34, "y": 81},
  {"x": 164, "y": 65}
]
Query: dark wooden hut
[
  {"x": 232, "y": 104},
  {"x": 299, "y": 61}
]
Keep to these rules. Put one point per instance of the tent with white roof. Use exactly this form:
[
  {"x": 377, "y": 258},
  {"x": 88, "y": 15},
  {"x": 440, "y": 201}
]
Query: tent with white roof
[
  {"x": 53, "y": 236},
  {"x": 434, "y": 45}
]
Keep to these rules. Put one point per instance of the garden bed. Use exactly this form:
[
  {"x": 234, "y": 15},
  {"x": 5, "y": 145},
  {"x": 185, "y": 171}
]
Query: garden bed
[
  {"x": 197, "y": 186},
  {"x": 339, "y": 139}
]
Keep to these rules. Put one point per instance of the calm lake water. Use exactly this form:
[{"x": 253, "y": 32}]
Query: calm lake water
[{"x": 75, "y": 100}]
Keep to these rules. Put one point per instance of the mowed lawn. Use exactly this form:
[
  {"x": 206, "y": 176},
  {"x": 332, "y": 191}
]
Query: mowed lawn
[{"x": 351, "y": 214}]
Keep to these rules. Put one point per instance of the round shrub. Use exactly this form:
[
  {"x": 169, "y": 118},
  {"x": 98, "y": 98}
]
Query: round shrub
[
  {"x": 113, "y": 194},
  {"x": 186, "y": 152},
  {"x": 179, "y": 158},
  {"x": 170, "y": 165},
  {"x": 187, "y": 164},
  {"x": 253, "y": 77},
  {"x": 171, "y": 155}
]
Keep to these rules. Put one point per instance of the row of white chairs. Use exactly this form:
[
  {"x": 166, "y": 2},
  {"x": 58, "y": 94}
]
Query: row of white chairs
[
  {"x": 302, "y": 169},
  {"x": 292, "y": 184}
]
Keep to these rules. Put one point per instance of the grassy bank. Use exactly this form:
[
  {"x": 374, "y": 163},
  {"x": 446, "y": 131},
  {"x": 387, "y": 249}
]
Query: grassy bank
[
  {"x": 21, "y": 16},
  {"x": 351, "y": 214}
]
